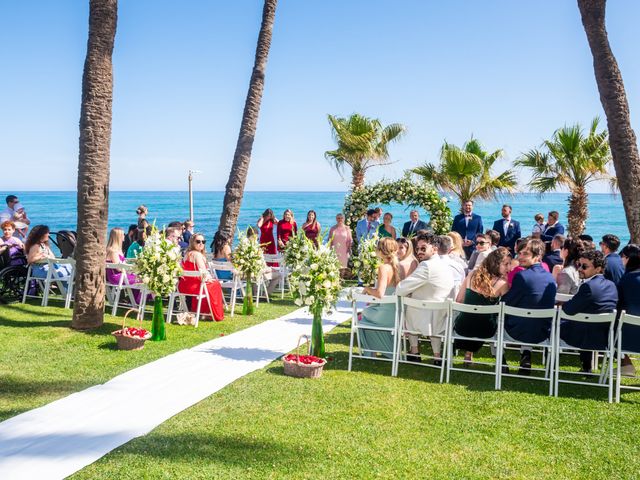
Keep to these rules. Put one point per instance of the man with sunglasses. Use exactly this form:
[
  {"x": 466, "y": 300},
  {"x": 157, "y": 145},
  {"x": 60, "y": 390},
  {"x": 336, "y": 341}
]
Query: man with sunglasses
[{"x": 595, "y": 295}]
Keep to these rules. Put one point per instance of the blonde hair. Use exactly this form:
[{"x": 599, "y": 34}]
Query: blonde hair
[
  {"x": 192, "y": 243},
  {"x": 288, "y": 210},
  {"x": 457, "y": 244},
  {"x": 387, "y": 250},
  {"x": 114, "y": 244}
]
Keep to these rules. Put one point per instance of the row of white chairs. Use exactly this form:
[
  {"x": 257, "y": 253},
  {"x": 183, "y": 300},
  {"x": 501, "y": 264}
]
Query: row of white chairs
[
  {"x": 552, "y": 347},
  {"x": 51, "y": 282}
]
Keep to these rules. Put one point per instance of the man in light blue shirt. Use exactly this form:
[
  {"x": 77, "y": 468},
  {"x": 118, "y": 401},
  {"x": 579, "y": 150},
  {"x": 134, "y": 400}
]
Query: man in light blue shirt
[{"x": 367, "y": 227}]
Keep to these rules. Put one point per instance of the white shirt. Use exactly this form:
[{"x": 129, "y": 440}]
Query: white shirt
[{"x": 6, "y": 214}]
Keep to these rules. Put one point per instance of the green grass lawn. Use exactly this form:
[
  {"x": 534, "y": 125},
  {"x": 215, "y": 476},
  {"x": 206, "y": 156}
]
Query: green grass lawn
[
  {"x": 42, "y": 359},
  {"x": 365, "y": 424}
]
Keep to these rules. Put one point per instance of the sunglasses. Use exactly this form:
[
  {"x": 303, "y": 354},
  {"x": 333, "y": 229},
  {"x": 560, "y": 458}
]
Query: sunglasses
[
  {"x": 584, "y": 266},
  {"x": 481, "y": 243},
  {"x": 421, "y": 249},
  {"x": 201, "y": 242}
]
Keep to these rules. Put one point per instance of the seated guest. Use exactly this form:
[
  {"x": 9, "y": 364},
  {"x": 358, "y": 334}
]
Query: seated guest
[
  {"x": 407, "y": 262},
  {"x": 508, "y": 229},
  {"x": 457, "y": 249},
  {"x": 381, "y": 315},
  {"x": 413, "y": 225},
  {"x": 38, "y": 251},
  {"x": 187, "y": 230},
  {"x": 195, "y": 261},
  {"x": 456, "y": 265},
  {"x": 554, "y": 257},
  {"x": 595, "y": 295},
  {"x": 386, "y": 229},
  {"x": 538, "y": 227},
  {"x": 221, "y": 247},
  {"x": 483, "y": 286},
  {"x": 494, "y": 238},
  {"x": 137, "y": 246},
  {"x": 566, "y": 275},
  {"x": 115, "y": 255},
  {"x": 11, "y": 247},
  {"x": 482, "y": 251},
  {"x": 614, "y": 269},
  {"x": 629, "y": 301},
  {"x": 552, "y": 228},
  {"x": 367, "y": 227},
  {"x": 129, "y": 238},
  {"x": 532, "y": 287},
  {"x": 431, "y": 281}
]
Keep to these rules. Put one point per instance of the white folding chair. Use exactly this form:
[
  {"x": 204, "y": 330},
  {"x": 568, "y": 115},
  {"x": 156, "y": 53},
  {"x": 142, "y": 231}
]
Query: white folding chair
[
  {"x": 261, "y": 286},
  {"x": 606, "y": 375},
  {"x": 114, "y": 291},
  {"x": 625, "y": 348},
  {"x": 63, "y": 283},
  {"x": 493, "y": 341},
  {"x": 281, "y": 269},
  {"x": 427, "y": 307},
  {"x": 563, "y": 297},
  {"x": 233, "y": 286},
  {"x": 547, "y": 345},
  {"x": 203, "y": 294},
  {"x": 356, "y": 327}
]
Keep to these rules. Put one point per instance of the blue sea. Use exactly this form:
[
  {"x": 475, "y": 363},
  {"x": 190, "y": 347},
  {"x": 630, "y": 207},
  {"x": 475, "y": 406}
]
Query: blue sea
[{"x": 58, "y": 209}]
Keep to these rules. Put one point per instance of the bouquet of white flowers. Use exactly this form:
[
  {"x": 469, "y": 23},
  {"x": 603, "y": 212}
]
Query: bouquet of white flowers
[
  {"x": 366, "y": 263},
  {"x": 248, "y": 258},
  {"x": 158, "y": 264},
  {"x": 297, "y": 250}
]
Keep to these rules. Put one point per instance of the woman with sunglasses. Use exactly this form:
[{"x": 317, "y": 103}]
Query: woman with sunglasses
[
  {"x": 482, "y": 251},
  {"x": 195, "y": 261}
]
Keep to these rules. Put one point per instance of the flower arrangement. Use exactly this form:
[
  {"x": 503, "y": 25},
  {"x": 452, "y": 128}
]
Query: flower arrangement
[
  {"x": 297, "y": 250},
  {"x": 366, "y": 263},
  {"x": 248, "y": 260}
]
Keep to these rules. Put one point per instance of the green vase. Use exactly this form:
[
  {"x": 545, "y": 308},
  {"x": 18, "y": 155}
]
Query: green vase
[
  {"x": 157, "y": 322},
  {"x": 317, "y": 335},
  {"x": 247, "y": 303}
]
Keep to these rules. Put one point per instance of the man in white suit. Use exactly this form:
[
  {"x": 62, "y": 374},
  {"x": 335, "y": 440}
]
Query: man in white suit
[{"x": 431, "y": 281}]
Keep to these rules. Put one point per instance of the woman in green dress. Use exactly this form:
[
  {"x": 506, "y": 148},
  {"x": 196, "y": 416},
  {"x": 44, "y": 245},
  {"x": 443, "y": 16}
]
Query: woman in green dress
[
  {"x": 483, "y": 286},
  {"x": 381, "y": 315},
  {"x": 386, "y": 230}
]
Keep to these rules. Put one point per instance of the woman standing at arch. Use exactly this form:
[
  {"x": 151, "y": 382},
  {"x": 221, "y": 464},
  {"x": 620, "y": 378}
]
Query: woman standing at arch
[
  {"x": 312, "y": 227},
  {"x": 341, "y": 241},
  {"x": 286, "y": 228},
  {"x": 386, "y": 229},
  {"x": 266, "y": 223}
]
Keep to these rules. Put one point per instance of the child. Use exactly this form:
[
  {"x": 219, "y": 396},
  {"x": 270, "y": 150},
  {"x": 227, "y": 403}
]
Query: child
[{"x": 538, "y": 227}]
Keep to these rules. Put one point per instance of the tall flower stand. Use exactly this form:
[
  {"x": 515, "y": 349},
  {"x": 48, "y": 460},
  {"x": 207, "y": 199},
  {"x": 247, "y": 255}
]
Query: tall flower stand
[
  {"x": 317, "y": 335},
  {"x": 248, "y": 308},
  {"x": 157, "y": 323}
]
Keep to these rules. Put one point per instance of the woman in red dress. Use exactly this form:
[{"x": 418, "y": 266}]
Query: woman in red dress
[
  {"x": 195, "y": 261},
  {"x": 266, "y": 223},
  {"x": 286, "y": 228},
  {"x": 312, "y": 227}
]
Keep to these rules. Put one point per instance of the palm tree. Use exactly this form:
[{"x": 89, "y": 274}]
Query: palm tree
[
  {"x": 362, "y": 143},
  {"x": 93, "y": 166},
  {"x": 242, "y": 156},
  {"x": 573, "y": 161},
  {"x": 624, "y": 147},
  {"x": 466, "y": 172}
]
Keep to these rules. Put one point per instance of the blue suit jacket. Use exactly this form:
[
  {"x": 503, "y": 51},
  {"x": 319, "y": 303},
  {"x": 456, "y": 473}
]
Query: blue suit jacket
[
  {"x": 468, "y": 232},
  {"x": 548, "y": 233},
  {"x": 531, "y": 288},
  {"x": 513, "y": 233},
  {"x": 553, "y": 259},
  {"x": 598, "y": 295},
  {"x": 420, "y": 225},
  {"x": 629, "y": 301},
  {"x": 614, "y": 269}
]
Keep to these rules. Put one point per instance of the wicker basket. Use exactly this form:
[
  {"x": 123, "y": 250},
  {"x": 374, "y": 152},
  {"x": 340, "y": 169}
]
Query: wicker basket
[
  {"x": 295, "y": 368},
  {"x": 125, "y": 342}
]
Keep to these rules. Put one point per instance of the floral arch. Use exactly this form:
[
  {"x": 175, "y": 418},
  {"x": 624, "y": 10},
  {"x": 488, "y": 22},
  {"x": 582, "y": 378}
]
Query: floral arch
[{"x": 403, "y": 191}]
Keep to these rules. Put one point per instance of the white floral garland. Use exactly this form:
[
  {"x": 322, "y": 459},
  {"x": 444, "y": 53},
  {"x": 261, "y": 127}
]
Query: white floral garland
[
  {"x": 316, "y": 281},
  {"x": 158, "y": 264}
]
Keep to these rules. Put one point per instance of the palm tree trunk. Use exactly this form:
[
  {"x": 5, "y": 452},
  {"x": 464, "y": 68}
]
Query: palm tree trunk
[
  {"x": 613, "y": 97},
  {"x": 93, "y": 165},
  {"x": 578, "y": 211},
  {"x": 357, "y": 178},
  {"x": 242, "y": 156}
]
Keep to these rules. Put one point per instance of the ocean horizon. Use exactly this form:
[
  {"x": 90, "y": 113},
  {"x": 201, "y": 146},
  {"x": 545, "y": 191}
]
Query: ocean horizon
[{"x": 57, "y": 209}]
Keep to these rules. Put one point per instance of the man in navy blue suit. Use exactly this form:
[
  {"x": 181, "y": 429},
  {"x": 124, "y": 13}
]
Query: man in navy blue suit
[
  {"x": 532, "y": 287},
  {"x": 614, "y": 269},
  {"x": 412, "y": 227},
  {"x": 595, "y": 295},
  {"x": 468, "y": 225},
  {"x": 508, "y": 229},
  {"x": 554, "y": 258},
  {"x": 552, "y": 228}
]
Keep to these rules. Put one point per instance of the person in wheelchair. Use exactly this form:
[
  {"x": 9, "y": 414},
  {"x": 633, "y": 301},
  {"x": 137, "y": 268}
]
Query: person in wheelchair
[
  {"x": 11, "y": 248},
  {"x": 38, "y": 251}
]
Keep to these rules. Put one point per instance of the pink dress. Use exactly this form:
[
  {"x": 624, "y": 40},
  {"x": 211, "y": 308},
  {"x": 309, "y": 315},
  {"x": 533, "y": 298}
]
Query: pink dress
[{"x": 341, "y": 243}]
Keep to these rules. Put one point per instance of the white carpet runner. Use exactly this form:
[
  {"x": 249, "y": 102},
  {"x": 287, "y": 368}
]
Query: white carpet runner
[{"x": 64, "y": 436}]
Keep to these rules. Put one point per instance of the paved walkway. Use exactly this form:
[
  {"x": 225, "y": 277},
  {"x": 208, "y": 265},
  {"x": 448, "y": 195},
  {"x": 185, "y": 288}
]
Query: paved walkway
[{"x": 64, "y": 436}]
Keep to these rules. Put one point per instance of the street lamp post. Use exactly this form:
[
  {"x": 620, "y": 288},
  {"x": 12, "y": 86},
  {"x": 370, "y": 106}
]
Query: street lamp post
[{"x": 191, "y": 172}]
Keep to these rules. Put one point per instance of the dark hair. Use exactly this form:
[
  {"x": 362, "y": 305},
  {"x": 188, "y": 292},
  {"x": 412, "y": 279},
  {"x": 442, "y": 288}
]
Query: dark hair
[
  {"x": 428, "y": 237},
  {"x": 632, "y": 252},
  {"x": 132, "y": 228},
  {"x": 371, "y": 211},
  {"x": 11, "y": 198},
  {"x": 268, "y": 215},
  {"x": 493, "y": 236},
  {"x": 596, "y": 257},
  {"x": 611, "y": 242},
  {"x": 218, "y": 243},
  {"x": 175, "y": 224},
  {"x": 555, "y": 215},
  {"x": 141, "y": 236},
  {"x": 536, "y": 247},
  {"x": 483, "y": 235},
  {"x": 251, "y": 232},
  {"x": 35, "y": 236},
  {"x": 315, "y": 216},
  {"x": 506, "y": 205},
  {"x": 575, "y": 248},
  {"x": 559, "y": 238},
  {"x": 585, "y": 237}
]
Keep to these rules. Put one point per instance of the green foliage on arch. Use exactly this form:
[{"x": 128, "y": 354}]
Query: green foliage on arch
[{"x": 405, "y": 191}]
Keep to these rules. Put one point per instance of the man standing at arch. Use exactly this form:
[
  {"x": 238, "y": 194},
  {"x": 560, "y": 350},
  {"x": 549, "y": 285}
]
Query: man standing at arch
[
  {"x": 411, "y": 227},
  {"x": 468, "y": 225}
]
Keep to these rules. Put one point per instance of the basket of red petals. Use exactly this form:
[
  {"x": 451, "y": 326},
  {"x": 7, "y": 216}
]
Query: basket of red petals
[
  {"x": 303, "y": 366},
  {"x": 131, "y": 338}
]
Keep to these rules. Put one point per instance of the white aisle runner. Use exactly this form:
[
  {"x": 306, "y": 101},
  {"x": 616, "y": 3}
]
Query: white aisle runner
[{"x": 64, "y": 436}]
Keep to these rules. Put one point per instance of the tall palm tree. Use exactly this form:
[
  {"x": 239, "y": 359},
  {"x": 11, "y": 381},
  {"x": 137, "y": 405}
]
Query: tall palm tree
[
  {"x": 624, "y": 147},
  {"x": 466, "y": 172},
  {"x": 93, "y": 165},
  {"x": 242, "y": 156},
  {"x": 573, "y": 161},
  {"x": 362, "y": 143}
]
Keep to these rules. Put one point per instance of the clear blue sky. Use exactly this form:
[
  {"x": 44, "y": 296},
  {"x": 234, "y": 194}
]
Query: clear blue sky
[{"x": 508, "y": 72}]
